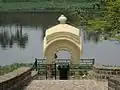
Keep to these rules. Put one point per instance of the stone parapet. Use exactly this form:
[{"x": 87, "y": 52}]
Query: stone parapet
[
  {"x": 16, "y": 80},
  {"x": 114, "y": 83}
]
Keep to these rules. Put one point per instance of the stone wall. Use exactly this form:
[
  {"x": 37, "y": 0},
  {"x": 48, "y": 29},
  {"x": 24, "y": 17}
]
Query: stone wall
[
  {"x": 114, "y": 83},
  {"x": 16, "y": 80},
  {"x": 104, "y": 73}
]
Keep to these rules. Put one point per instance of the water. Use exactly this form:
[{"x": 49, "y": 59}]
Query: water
[{"x": 21, "y": 40}]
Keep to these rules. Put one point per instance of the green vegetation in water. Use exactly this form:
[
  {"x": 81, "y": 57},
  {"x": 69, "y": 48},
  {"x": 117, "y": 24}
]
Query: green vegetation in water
[
  {"x": 81, "y": 9},
  {"x": 43, "y": 5},
  {"x": 9, "y": 68}
]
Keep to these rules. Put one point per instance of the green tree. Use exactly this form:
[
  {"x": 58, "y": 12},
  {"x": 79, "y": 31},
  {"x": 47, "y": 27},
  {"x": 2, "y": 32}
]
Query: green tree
[{"x": 109, "y": 23}]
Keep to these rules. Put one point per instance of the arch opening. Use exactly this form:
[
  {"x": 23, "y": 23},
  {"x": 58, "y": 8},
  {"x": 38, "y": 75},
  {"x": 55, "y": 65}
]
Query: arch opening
[
  {"x": 62, "y": 44},
  {"x": 63, "y": 54}
]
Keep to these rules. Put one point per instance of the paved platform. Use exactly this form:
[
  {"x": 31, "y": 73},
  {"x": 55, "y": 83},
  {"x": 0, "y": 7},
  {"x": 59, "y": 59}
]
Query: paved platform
[{"x": 67, "y": 85}]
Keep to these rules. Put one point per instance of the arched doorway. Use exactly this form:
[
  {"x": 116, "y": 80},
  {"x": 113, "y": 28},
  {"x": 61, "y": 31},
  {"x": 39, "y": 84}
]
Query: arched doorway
[
  {"x": 62, "y": 44},
  {"x": 63, "y": 54},
  {"x": 66, "y": 46},
  {"x": 63, "y": 60}
]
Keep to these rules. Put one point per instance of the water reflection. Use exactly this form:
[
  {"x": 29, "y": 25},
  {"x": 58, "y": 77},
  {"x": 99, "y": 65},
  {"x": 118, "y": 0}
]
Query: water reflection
[
  {"x": 26, "y": 30},
  {"x": 8, "y": 38},
  {"x": 92, "y": 36}
]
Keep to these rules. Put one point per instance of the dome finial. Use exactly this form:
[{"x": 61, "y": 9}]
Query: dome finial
[{"x": 62, "y": 19}]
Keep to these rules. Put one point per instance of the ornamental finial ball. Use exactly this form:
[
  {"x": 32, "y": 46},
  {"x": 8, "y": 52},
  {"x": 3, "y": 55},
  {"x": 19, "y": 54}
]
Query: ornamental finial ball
[{"x": 62, "y": 19}]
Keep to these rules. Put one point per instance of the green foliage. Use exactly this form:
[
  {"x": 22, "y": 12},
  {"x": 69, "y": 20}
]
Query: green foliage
[
  {"x": 48, "y": 0},
  {"x": 109, "y": 24},
  {"x": 112, "y": 14},
  {"x": 98, "y": 25},
  {"x": 9, "y": 68},
  {"x": 29, "y": 5}
]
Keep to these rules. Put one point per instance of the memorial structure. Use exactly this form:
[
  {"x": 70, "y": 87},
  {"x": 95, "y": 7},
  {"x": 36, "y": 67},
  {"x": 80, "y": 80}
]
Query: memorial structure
[{"x": 63, "y": 37}]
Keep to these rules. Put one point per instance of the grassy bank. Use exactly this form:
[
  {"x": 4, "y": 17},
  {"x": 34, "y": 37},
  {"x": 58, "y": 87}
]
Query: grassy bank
[{"x": 9, "y": 68}]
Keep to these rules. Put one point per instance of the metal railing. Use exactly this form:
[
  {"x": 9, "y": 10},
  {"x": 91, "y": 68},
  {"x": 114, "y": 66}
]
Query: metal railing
[
  {"x": 82, "y": 61},
  {"x": 81, "y": 69}
]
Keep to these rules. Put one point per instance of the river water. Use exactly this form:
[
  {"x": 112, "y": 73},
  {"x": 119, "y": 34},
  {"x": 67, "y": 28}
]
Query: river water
[{"x": 21, "y": 39}]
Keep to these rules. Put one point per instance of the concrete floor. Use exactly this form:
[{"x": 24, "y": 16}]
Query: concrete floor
[{"x": 67, "y": 85}]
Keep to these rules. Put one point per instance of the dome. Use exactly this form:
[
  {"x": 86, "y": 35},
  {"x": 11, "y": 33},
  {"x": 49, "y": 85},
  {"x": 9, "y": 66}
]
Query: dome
[{"x": 63, "y": 27}]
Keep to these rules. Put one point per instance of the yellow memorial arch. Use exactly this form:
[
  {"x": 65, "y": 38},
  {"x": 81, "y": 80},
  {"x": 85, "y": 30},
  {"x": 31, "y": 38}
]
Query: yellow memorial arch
[{"x": 63, "y": 37}]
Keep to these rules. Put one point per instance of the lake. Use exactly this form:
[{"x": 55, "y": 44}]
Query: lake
[{"x": 21, "y": 40}]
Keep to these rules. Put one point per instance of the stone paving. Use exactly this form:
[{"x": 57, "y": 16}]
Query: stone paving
[{"x": 67, "y": 85}]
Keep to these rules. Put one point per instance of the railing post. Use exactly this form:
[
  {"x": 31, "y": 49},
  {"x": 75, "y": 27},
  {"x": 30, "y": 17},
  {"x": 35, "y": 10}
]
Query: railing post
[
  {"x": 46, "y": 72},
  {"x": 55, "y": 71},
  {"x": 93, "y": 61},
  {"x": 35, "y": 64}
]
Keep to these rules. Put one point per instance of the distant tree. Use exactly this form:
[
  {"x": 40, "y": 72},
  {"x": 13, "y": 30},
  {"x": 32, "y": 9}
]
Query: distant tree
[
  {"x": 27, "y": 0},
  {"x": 3, "y": 1}
]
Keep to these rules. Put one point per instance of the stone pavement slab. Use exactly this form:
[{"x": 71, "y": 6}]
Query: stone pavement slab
[{"x": 67, "y": 85}]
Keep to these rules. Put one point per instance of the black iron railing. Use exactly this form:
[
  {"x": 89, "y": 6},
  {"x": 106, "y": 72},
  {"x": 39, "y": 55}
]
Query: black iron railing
[
  {"x": 82, "y": 61},
  {"x": 82, "y": 68}
]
